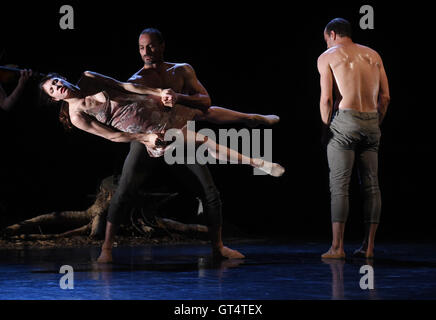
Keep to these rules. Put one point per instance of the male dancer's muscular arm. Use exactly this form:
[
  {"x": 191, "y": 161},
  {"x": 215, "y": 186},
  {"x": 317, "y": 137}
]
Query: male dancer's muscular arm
[
  {"x": 194, "y": 93},
  {"x": 326, "y": 82},
  {"x": 197, "y": 95},
  {"x": 383, "y": 94}
]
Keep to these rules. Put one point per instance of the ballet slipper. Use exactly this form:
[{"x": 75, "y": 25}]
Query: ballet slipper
[
  {"x": 268, "y": 120},
  {"x": 271, "y": 119},
  {"x": 273, "y": 169}
]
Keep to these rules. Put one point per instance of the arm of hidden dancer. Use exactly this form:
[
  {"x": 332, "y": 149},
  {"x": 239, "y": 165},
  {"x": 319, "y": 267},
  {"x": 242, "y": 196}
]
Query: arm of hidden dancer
[
  {"x": 103, "y": 81},
  {"x": 88, "y": 124}
]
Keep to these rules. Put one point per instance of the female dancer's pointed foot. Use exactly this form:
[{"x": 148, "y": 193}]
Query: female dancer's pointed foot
[
  {"x": 271, "y": 168},
  {"x": 227, "y": 253},
  {"x": 105, "y": 256},
  {"x": 333, "y": 254},
  {"x": 258, "y": 119}
]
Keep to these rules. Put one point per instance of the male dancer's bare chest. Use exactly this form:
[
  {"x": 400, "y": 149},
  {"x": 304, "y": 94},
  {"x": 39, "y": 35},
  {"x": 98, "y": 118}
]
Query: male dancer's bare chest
[{"x": 165, "y": 79}]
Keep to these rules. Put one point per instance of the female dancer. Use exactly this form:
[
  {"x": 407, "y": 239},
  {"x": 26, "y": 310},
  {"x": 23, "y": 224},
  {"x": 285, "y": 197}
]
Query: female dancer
[{"x": 124, "y": 112}]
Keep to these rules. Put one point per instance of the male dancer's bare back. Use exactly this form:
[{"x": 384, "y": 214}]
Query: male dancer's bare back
[{"x": 358, "y": 77}]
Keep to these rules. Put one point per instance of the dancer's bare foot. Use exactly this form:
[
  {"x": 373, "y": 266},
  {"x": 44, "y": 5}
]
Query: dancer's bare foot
[
  {"x": 334, "y": 254},
  {"x": 273, "y": 169},
  {"x": 259, "y": 119},
  {"x": 105, "y": 256},
  {"x": 227, "y": 253},
  {"x": 363, "y": 252}
]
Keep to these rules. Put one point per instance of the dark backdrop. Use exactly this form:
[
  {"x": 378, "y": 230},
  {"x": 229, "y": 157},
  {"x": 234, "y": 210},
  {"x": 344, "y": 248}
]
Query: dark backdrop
[{"x": 253, "y": 57}]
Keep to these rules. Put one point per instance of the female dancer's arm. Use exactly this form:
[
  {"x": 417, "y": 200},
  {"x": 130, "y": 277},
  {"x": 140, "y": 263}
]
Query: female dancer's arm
[
  {"x": 86, "y": 123},
  {"x": 102, "y": 80}
]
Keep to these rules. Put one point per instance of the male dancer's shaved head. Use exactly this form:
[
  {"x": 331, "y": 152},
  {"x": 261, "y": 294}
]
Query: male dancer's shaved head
[
  {"x": 155, "y": 32},
  {"x": 340, "y": 26}
]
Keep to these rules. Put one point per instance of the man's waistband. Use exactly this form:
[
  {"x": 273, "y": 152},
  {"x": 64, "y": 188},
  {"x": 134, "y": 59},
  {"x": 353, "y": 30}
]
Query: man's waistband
[{"x": 359, "y": 114}]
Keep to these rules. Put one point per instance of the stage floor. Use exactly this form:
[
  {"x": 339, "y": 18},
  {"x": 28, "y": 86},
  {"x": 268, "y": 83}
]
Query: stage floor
[{"x": 185, "y": 272}]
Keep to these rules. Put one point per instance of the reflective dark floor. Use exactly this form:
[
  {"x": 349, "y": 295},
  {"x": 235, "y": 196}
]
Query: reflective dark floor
[{"x": 185, "y": 272}]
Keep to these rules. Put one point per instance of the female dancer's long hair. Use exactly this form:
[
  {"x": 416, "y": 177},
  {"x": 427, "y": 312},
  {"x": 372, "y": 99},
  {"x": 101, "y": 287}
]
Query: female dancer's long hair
[{"x": 64, "y": 114}]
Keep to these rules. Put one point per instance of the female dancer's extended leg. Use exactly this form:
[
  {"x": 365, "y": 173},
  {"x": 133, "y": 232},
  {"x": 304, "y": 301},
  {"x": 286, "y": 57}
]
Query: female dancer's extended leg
[
  {"x": 226, "y": 154},
  {"x": 221, "y": 115}
]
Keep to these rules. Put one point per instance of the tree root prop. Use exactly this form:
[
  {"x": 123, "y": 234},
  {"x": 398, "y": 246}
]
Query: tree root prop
[
  {"x": 92, "y": 221},
  {"x": 181, "y": 227}
]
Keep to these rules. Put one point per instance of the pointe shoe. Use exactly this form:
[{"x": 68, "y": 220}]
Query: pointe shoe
[{"x": 273, "y": 169}]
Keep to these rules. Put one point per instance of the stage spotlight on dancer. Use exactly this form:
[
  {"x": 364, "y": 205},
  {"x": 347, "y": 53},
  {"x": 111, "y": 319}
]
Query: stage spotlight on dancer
[
  {"x": 138, "y": 164},
  {"x": 351, "y": 128}
]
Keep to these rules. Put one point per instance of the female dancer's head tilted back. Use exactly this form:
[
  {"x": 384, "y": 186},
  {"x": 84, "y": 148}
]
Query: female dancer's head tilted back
[
  {"x": 58, "y": 88},
  {"x": 55, "y": 88}
]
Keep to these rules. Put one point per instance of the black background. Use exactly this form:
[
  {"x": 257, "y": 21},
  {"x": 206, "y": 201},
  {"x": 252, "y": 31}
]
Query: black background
[{"x": 251, "y": 56}]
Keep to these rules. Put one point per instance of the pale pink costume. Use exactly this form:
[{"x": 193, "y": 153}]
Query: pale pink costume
[{"x": 145, "y": 115}]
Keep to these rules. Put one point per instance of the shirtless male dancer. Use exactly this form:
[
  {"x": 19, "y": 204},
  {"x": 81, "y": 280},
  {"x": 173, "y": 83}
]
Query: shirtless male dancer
[
  {"x": 357, "y": 76},
  {"x": 183, "y": 87}
]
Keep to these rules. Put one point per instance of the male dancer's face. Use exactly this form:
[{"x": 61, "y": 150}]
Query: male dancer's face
[{"x": 150, "y": 49}]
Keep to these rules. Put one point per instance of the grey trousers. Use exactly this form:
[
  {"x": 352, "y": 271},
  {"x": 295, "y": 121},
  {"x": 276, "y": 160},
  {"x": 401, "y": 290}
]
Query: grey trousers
[{"x": 354, "y": 136}]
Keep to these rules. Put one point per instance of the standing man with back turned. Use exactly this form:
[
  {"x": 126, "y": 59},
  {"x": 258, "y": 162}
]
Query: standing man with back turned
[{"x": 358, "y": 78}]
